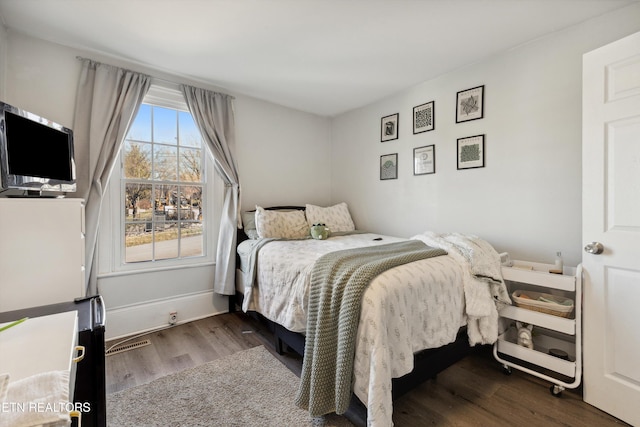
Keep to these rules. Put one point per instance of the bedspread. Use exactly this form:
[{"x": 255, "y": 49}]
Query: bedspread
[
  {"x": 404, "y": 310},
  {"x": 338, "y": 281},
  {"x": 283, "y": 267},
  {"x": 484, "y": 288}
]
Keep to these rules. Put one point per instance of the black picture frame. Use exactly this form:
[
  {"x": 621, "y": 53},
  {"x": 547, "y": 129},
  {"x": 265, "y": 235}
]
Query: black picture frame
[
  {"x": 389, "y": 166},
  {"x": 424, "y": 117},
  {"x": 424, "y": 160},
  {"x": 470, "y": 104},
  {"x": 389, "y": 127},
  {"x": 471, "y": 152}
]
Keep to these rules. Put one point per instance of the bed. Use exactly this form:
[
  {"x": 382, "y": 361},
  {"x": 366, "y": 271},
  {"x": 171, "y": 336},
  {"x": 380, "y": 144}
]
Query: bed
[{"x": 416, "y": 317}]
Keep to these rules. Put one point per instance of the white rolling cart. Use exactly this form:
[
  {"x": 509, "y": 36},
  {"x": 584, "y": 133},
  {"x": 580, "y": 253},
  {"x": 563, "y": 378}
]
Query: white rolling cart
[{"x": 556, "y": 355}]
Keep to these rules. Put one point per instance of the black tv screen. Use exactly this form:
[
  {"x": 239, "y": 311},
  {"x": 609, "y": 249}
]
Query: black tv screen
[{"x": 35, "y": 149}]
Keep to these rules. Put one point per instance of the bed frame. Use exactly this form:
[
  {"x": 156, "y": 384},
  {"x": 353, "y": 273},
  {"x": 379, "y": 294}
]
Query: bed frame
[{"x": 427, "y": 363}]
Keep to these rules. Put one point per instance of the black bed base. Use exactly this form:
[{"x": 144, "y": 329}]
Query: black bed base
[{"x": 427, "y": 363}]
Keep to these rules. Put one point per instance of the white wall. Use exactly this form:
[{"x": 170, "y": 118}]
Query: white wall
[
  {"x": 527, "y": 199},
  {"x": 42, "y": 78},
  {"x": 273, "y": 144},
  {"x": 284, "y": 156}
]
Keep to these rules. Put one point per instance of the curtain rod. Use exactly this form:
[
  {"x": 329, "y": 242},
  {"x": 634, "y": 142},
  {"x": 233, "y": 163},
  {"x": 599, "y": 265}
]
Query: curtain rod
[{"x": 82, "y": 58}]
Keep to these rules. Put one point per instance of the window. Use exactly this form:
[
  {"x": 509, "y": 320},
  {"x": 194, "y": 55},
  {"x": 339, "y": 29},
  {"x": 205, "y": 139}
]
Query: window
[{"x": 164, "y": 190}]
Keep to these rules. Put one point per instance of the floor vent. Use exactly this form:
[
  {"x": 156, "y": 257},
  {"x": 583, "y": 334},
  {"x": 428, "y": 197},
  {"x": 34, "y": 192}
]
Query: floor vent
[{"x": 127, "y": 347}]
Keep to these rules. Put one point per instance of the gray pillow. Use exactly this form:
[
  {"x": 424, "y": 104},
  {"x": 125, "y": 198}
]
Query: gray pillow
[{"x": 249, "y": 224}]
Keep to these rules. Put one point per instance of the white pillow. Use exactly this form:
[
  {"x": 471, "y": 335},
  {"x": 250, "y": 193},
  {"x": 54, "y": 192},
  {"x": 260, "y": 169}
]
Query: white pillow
[
  {"x": 281, "y": 224},
  {"x": 336, "y": 217}
]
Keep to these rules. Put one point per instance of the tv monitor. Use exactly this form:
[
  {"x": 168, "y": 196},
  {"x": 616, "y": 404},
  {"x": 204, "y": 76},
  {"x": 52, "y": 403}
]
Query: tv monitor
[{"x": 36, "y": 154}]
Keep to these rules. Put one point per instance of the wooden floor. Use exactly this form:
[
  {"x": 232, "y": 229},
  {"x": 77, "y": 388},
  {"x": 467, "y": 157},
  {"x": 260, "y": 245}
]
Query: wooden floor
[{"x": 473, "y": 392}]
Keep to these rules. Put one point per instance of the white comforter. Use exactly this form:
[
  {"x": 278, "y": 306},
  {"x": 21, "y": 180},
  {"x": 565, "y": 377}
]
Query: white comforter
[{"x": 406, "y": 309}]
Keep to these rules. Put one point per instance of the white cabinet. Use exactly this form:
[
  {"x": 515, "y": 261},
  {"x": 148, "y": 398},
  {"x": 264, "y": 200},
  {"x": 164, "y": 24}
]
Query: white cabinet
[
  {"x": 552, "y": 333},
  {"x": 41, "y": 251}
]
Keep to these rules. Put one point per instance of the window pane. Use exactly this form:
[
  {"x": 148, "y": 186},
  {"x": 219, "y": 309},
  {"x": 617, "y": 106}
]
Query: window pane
[
  {"x": 191, "y": 196},
  {"x": 138, "y": 242},
  {"x": 165, "y": 125},
  {"x": 191, "y": 164},
  {"x": 137, "y": 160},
  {"x": 189, "y": 134},
  {"x": 166, "y": 241},
  {"x": 165, "y": 199},
  {"x": 140, "y": 129},
  {"x": 165, "y": 163},
  {"x": 191, "y": 239},
  {"x": 138, "y": 205}
]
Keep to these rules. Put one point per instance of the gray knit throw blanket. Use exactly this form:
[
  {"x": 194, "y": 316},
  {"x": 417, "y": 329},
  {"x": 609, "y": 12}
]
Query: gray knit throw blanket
[{"x": 338, "y": 281}]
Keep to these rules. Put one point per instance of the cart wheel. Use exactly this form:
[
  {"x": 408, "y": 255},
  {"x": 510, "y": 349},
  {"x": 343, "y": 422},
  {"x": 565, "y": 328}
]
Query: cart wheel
[
  {"x": 556, "y": 390},
  {"x": 506, "y": 370}
]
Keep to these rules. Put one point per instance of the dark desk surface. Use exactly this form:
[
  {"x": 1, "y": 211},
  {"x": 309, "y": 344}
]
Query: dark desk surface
[{"x": 84, "y": 307}]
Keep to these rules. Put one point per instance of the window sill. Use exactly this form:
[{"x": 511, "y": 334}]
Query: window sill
[{"x": 129, "y": 271}]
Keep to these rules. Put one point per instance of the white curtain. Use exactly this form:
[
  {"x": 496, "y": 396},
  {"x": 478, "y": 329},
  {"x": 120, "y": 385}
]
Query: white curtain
[
  {"x": 108, "y": 99},
  {"x": 213, "y": 114}
]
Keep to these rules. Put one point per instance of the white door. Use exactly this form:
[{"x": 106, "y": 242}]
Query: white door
[{"x": 611, "y": 216}]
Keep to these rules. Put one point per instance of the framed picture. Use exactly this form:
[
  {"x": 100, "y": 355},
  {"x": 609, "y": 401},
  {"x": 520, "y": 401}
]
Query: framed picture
[
  {"x": 424, "y": 160},
  {"x": 471, "y": 152},
  {"x": 389, "y": 127},
  {"x": 470, "y": 104},
  {"x": 389, "y": 166},
  {"x": 424, "y": 117}
]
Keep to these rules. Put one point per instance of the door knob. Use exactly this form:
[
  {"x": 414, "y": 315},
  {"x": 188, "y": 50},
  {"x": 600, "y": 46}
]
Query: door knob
[{"x": 594, "y": 248}]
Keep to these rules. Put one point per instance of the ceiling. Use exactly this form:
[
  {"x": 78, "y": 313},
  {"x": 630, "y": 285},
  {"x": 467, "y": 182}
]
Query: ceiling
[{"x": 320, "y": 56}]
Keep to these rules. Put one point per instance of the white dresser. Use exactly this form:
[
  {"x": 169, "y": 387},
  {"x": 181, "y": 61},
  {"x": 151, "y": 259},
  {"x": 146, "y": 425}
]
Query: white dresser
[{"x": 41, "y": 251}]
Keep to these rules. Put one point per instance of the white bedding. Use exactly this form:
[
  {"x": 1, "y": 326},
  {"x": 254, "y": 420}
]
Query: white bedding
[
  {"x": 244, "y": 251},
  {"x": 406, "y": 309}
]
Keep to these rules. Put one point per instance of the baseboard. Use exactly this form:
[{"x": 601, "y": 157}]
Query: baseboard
[{"x": 141, "y": 318}]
